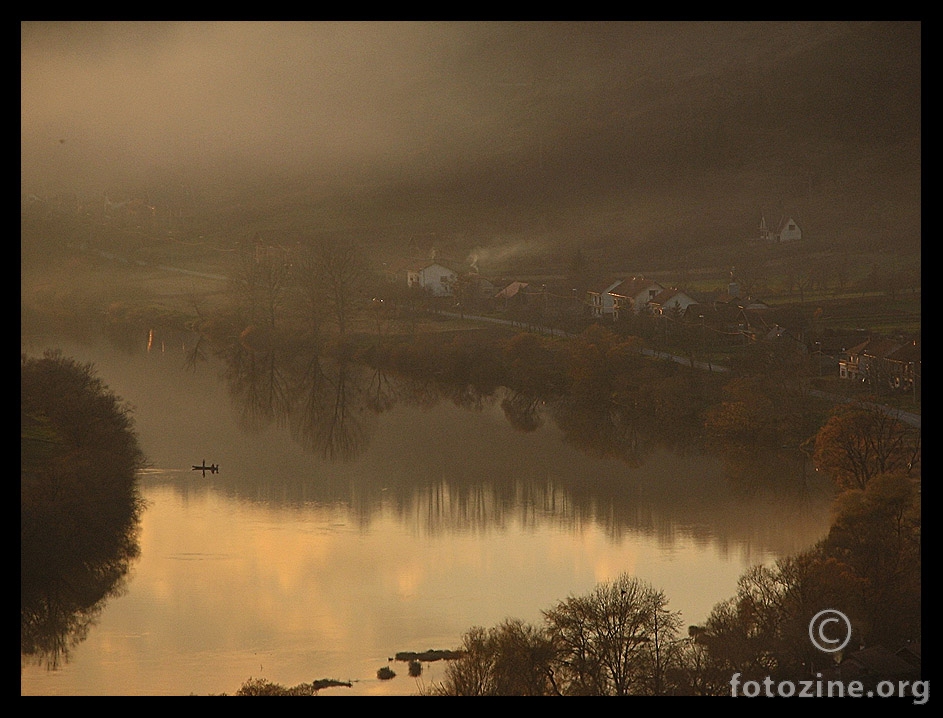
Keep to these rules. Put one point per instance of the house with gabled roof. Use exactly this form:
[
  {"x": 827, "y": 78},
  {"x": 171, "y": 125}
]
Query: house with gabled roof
[
  {"x": 886, "y": 362},
  {"x": 903, "y": 369},
  {"x": 864, "y": 361},
  {"x": 639, "y": 291},
  {"x": 612, "y": 296},
  {"x": 511, "y": 295},
  {"x": 732, "y": 298},
  {"x": 600, "y": 299},
  {"x": 671, "y": 301},
  {"x": 432, "y": 276},
  {"x": 787, "y": 230},
  {"x": 482, "y": 288}
]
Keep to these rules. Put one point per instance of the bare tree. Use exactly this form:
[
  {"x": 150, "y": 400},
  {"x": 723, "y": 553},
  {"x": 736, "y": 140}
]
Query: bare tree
[
  {"x": 260, "y": 282},
  {"x": 511, "y": 659},
  {"x": 329, "y": 274},
  {"x": 614, "y": 640}
]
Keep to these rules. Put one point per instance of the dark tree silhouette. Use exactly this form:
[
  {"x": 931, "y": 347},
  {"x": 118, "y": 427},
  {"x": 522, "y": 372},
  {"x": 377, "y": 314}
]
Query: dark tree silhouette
[{"x": 79, "y": 502}]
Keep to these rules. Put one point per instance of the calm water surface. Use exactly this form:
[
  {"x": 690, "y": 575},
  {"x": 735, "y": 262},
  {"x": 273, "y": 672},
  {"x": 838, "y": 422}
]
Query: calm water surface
[{"x": 434, "y": 518}]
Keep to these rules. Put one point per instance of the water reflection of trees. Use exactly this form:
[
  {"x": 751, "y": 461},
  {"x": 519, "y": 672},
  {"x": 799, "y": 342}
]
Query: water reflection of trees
[
  {"x": 330, "y": 400},
  {"x": 605, "y": 430},
  {"x": 522, "y": 410},
  {"x": 319, "y": 397},
  {"x": 79, "y": 504},
  {"x": 328, "y": 417},
  {"x": 259, "y": 384},
  {"x": 62, "y": 602}
]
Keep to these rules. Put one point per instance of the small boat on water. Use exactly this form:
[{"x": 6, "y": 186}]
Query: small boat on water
[{"x": 212, "y": 468}]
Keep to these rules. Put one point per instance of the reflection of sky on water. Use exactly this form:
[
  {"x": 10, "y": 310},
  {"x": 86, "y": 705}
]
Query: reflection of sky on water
[
  {"x": 307, "y": 593},
  {"x": 294, "y": 568}
]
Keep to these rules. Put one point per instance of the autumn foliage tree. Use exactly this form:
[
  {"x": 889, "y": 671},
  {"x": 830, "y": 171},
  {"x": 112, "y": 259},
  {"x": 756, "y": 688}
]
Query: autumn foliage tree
[
  {"x": 746, "y": 413},
  {"x": 860, "y": 441},
  {"x": 876, "y": 535}
]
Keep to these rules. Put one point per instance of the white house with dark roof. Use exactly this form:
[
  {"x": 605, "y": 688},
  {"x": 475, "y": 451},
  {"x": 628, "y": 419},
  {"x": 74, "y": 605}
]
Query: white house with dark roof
[
  {"x": 600, "y": 299},
  {"x": 786, "y": 231},
  {"x": 611, "y": 297},
  {"x": 639, "y": 291}
]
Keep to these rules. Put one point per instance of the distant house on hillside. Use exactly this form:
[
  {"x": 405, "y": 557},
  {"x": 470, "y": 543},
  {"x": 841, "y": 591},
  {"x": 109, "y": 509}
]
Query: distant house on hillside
[
  {"x": 600, "y": 300},
  {"x": 479, "y": 288},
  {"x": 884, "y": 361},
  {"x": 433, "y": 277},
  {"x": 786, "y": 231},
  {"x": 639, "y": 291},
  {"x": 732, "y": 298},
  {"x": 670, "y": 301},
  {"x": 611, "y": 297},
  {"x": 512, "y": 295}
]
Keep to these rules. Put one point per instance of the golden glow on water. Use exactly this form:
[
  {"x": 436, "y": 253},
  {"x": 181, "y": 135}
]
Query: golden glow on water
[
  {"x": 292, "y": 568},
  {"x": 226, "y": 590}
]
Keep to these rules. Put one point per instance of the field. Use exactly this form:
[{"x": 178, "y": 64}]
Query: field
[{"x": 84, "y": 270}]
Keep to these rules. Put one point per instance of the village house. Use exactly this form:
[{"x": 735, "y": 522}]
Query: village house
[
  {"x": 786, "y": 317},
  {"x": 431, "y": 276},
  {"x": 638, "y": 291},
  {"x": 855, "y": 365},
  {"x": 612, "y": 296},
  {"x": 511, "y": 295},
  {"x": 732, "y": 297},
  {"x": 836, "y": 342},
  {"x": 599, "y": 299},
  {"x": 670, "y": 302},
  {"x": 727, "y": 324},
  {"x": 902, "y": 367},
  {"x": 730, "y": 318},
  {"x": 476, "y": 288},
  {"x": 787, "y": 230},
  {"x": 881, "y": 361}
]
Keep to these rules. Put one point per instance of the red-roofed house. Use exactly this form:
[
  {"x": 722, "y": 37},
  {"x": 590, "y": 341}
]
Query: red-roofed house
[
  {"x": 612, "y": 296},
  {"x": 869, "y": 362},
  {"x": 670, "y": 301}
]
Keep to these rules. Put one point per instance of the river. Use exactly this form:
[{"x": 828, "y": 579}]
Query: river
[{"x": 314, "y": 555}]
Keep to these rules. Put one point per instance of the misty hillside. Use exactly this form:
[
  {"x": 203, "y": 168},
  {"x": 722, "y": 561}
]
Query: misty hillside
[
  {"x": 828, "y": 132},
  {"x": 616, "y": 138}
]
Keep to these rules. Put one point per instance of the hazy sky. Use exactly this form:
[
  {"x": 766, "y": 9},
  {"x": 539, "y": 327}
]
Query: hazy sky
[
  {"x": 109, "y": 100},
  {"x": 109, "y": 107}
]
